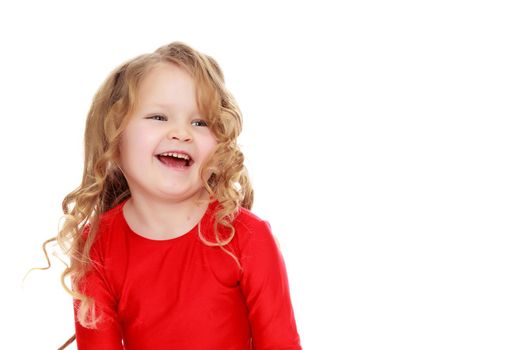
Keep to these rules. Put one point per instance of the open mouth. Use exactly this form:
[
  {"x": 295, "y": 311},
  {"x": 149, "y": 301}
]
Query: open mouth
[{"x": 175, "y": 160}]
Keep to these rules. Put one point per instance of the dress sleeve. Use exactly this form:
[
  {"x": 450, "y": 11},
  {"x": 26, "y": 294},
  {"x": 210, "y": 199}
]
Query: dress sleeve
[
  {"x": 264, "y": 283},
  {"x": 107, "y": 336}
]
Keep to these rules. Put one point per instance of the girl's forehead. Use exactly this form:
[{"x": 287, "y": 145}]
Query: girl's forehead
[
  {"x": 167, "y": 75},
  {"x": 166, "y": 83}
]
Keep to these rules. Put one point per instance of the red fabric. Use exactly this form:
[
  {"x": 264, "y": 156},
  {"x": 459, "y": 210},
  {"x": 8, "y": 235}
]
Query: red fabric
[{"x": 180, "y": 294}]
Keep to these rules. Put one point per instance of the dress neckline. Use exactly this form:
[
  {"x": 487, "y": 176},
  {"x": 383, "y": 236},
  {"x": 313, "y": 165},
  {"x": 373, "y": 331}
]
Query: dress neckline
[{"x": 191, "y": 233}]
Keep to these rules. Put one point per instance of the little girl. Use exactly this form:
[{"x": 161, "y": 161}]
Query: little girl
[{"x": 164, "y": 251}]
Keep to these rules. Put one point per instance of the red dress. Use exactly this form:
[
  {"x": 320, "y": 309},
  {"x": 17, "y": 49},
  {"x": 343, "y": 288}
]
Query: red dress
[{"x": 181, "y": 294}]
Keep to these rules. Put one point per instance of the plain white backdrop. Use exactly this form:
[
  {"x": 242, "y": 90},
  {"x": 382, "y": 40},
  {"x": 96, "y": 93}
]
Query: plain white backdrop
[{"x": 384, "y": 140}]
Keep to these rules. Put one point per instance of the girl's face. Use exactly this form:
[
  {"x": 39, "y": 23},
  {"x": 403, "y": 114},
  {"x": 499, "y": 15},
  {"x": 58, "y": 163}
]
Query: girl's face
[{"x": 166, "y": 140}]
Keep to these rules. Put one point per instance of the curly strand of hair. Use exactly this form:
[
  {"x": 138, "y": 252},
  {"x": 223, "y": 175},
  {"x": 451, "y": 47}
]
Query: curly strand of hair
[
  {"x": 44, "y": 248},
  {"x": 220, "y": 243},
  {"x": 67, "y": 343}
]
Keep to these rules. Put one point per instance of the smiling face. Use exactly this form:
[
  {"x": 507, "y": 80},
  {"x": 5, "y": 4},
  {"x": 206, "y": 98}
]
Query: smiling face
[{"x": 166, "y": 140}]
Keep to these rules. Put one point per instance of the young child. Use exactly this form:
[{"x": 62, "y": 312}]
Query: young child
[{"x": 164, "y": 251}]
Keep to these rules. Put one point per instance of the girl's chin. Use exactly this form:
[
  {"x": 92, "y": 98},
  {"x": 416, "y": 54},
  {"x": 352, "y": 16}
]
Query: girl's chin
[{"x": 170, "y": 193}]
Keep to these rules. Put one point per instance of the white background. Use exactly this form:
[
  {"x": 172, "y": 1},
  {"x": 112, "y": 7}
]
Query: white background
[{"x": 384, "y": 140}]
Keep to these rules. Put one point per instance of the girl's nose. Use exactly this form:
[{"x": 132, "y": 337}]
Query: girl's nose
[{"x": 180, "y": 133}]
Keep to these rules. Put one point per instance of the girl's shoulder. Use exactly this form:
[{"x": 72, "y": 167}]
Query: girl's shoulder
[
  {"x": 107, "y": 221},
  {"x": 249, "y": 226},
  {"x": 249, "y": 219},
  {"x": 110, "y": 216}
]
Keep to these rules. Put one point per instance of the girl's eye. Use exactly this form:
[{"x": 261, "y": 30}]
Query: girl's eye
[
  {"x": 199, "y": 123},
  {"x": 158, "y": 117}
]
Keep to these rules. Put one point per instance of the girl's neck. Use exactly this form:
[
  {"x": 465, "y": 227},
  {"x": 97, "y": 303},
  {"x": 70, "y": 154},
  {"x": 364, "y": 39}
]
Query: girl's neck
[{"x": 164, "y": 219}]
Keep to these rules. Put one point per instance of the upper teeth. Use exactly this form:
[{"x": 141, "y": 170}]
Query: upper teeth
[{"x": 176, "y": 155}]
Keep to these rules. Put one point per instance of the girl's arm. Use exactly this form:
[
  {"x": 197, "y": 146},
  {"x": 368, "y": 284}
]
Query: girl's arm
[
  {"x": 265, "y": 286},
  {"x": 107, "y": 336}
]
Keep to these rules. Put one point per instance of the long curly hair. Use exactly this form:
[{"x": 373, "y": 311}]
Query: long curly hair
[{"x": 103, "y": 184}]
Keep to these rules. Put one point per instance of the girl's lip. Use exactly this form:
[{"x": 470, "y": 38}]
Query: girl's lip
[{"x": 179, "y": 152}]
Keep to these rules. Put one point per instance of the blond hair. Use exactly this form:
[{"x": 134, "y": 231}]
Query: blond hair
[{"x": 103, "y": 184}]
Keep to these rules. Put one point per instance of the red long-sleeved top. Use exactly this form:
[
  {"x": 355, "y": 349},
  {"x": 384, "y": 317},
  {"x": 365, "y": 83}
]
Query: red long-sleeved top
[{"x": 181, "y": 294}]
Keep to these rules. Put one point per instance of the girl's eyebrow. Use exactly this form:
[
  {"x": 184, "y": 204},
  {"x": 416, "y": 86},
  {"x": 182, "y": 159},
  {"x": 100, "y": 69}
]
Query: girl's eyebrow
[
  {"x": 163, "y": 105},
  {"x": 158, "y": 104},
  {"x": 149, "y": 107}
]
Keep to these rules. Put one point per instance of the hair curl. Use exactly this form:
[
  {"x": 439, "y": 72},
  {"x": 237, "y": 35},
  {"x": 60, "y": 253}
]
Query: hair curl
[{"x": 103, "y": 184}]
